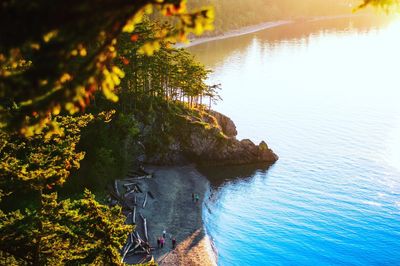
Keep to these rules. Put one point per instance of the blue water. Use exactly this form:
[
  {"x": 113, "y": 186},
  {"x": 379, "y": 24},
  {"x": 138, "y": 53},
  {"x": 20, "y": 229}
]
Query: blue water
[{"x": 325, "y": 96}]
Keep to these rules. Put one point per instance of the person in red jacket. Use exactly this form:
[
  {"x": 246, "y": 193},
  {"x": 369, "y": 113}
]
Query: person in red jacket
[{"x": 173, "y": 242}]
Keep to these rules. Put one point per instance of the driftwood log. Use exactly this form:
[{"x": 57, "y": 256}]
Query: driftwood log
[
  {"x": 129, "y": 192},
  {"x": 126, "y": 252},
  {"x": 138, "y": 236},
  {"x": 116, "y": 188},
  {"x": 134, "y": 215},
  {"x": 138, "y": 188},
  {"x": 145, "y": 201},
  {"x": 145, "y": 227},
  {"x": 129, "y": 185},
  {"x": 126, "y": 244},
  {"x": 121, "y": 201},
  {"x": 134, "y": 177},
  {"x": 150, "y": 194}
]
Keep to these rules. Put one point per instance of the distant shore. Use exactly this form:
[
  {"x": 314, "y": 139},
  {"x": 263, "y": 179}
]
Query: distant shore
[
  {"x": 238, "y": 32},
  {"x": 174, "y": 211},
  {"x": 260, "y": 27}
]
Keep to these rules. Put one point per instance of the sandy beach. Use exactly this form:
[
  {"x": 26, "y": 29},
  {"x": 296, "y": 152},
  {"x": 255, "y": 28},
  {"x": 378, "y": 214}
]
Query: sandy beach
[{"x": 174, "y": 211}]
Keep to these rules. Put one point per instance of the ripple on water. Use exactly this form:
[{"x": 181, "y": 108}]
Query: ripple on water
[{"x": 333, "y": 198}]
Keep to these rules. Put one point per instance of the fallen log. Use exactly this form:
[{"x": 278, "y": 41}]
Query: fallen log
[
  {"x": 122, "y": 201},
  {"x": 142, "y": 242},
  {"x": 128, "y": 185},
  {"x": 136, "y": 245},
  {"x": 130, "y": 192},
  {"x": 116, "y": 188},
  {"x": 135, "y": 237},
  {"x": 134, "y": 215},
  {"x": 126, "y": 252},
  {"x": 126, "y": 245},
  {"x": 143, "y": 260},
  {"x": 138, "y": 236},
  {"x": 146, "y": 259},
  {"x": 145, "y": 230},
  {"x": 137, "y": 252},
  {"x": 138, "y": 188},
  {"x": 150, "y": 194},
  {"x": 129, "y": 179},
  {"x": 145, "y": 227},
  {"x": 133, "y": 178},
  {"x": 145, "y": 201}
]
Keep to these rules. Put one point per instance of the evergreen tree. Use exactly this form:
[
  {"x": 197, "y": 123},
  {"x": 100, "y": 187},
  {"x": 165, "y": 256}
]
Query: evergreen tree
[
  {"x": 54, "y": 232},
  {"x": 55, "y": 55},
  {"x": 64, "y": 232}
]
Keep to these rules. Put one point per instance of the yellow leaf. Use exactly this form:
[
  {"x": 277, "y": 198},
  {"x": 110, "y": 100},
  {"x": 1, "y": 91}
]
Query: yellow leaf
[
  {"x": 118, "y": 71},
  {"x": 50, "y": 35},
  {"x": 65, "y": 77},
  {"x": 56, "y": 109},
  {"x": 83, "y": 52}
]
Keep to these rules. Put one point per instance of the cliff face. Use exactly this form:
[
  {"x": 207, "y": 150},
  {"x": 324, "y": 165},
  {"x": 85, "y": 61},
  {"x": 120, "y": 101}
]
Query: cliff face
[
  {"x": 210, "y": 138},
  {"x": 219, "y": 145}
]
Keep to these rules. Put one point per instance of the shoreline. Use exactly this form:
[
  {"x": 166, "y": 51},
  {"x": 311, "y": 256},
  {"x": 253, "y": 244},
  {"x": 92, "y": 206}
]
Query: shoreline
[
  {"x": 174, "y": 211},
  {"x": 237, "y": 32},
  {"x": 259, "y": 27}
]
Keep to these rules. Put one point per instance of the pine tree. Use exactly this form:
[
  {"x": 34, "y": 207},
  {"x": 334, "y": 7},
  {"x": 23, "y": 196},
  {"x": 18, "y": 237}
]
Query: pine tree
[{"x": 54, "y": 232}]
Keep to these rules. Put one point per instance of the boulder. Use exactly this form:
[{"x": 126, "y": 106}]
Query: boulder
[{"x": 226, "y": 124}]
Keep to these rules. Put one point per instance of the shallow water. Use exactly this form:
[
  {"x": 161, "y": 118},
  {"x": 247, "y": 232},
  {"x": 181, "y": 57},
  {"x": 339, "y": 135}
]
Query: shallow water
[{"x": 325, "y": 97}]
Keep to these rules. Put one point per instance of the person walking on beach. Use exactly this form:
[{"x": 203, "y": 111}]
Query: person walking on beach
[
  {"x": 162, "y": 241},
  {"x": 158, "y": 242},
  {"x": 173, "y": 243},
  {"x": 164, "y": 233},
  {"x": 197, "y": 198},
  {"x": 192, "y": 196}
]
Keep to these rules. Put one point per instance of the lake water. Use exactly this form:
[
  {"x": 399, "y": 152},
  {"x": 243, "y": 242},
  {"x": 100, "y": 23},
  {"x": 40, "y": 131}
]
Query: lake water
[{"x": 325, "y": 95}]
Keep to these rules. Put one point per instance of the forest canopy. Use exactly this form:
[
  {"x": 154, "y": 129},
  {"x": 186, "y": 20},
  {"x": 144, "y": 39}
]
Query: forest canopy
[{"x": 55, "y": 55}]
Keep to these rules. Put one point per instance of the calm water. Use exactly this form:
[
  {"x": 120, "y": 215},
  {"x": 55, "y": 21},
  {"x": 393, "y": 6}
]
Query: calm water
[{"x": 325, "y": 96}]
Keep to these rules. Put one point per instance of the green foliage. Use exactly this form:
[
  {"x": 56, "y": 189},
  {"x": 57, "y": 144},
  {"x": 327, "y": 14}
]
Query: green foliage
[
  {"x": 170, "y": 73},
  {"x": 65, "y": 232},
  {"x": 127, "y": 125},
  {"x": 55, "y": 55},
  {"x": 42, "y": 160},
  {"x": 55, "y": 232},
  {"x": 109, "y": 151},
  {"x": 387, "y": 5}
]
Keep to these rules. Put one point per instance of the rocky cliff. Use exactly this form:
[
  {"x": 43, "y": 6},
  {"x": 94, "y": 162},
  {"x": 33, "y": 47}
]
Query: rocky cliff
[{"x": 210, "y": 138}]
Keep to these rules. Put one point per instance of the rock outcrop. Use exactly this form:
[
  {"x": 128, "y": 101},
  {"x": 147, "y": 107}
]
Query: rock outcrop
[{"x": 210, "y": 138}]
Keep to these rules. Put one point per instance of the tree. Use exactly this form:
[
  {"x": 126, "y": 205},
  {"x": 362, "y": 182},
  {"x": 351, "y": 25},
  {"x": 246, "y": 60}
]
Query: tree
[
  {"x": 171, "y": 74},
  {"x": 43, "y": 160},
  {"x": 385, "y": 4},
  {"x": 55, "y": 55},
  {"x": 54, "y": 232},
  {"x": 64, "y": 232}
]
